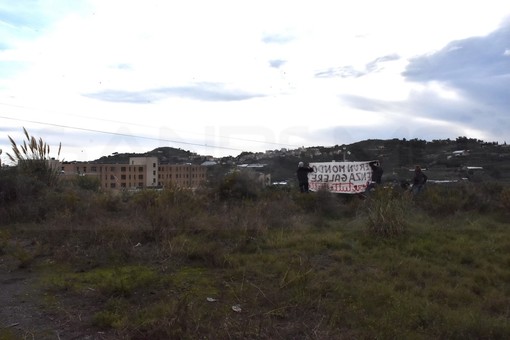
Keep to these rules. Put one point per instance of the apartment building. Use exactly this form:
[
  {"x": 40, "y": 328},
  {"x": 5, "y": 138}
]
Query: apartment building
[{"x": 140, "y": 172}]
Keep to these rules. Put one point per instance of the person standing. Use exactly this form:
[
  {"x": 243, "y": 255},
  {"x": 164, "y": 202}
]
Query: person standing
[
  {"x": 377, "y": 172},
  {"x": 419, "y": 180},
  {"x": 302, "y": 175}
]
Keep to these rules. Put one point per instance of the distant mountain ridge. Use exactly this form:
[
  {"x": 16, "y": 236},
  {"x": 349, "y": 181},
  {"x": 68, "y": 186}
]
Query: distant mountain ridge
[
  {"x": 166, "y": 155},
  {"x": 397, "y": 156}
]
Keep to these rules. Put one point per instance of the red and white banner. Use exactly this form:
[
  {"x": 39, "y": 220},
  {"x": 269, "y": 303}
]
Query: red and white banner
[{"x": 340, "y": 177}]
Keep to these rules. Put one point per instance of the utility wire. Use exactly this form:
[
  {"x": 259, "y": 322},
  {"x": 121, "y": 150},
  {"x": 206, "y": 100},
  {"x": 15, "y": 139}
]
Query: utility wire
[
  {"x": 121, "y": 122},
  {"x": 121, "y": 134}
]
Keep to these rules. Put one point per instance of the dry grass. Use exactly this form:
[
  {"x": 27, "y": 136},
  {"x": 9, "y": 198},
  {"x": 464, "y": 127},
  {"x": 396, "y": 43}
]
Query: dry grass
[{"x": 172, "y": 264}]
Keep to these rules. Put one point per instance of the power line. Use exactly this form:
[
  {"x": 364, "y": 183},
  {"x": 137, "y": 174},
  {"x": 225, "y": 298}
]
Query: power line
[
  {"x": 123, "y": 122},
  {"x": 121, "y": 134}
]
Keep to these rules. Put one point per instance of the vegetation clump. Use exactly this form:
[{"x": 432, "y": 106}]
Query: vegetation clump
[
  {"x": 386, "y": 212},
  {"x": 33, "y": 159}
]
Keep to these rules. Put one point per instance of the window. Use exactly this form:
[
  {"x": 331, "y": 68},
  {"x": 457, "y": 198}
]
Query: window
[
  {"x": 122, "y": 176},
  {"x": 140, "y": 176},
  {"x": 112, "y": 185},
  {"x": 140, "y": 169},
  {"x": 153, "y": 165},
  {"x": 123, "y": 169},
  {"x": 154, "y": 172},
  {"x": 112, "y": 177},
  {"x": 93, "y": 168},
  {"x": 122, "y": 185}
]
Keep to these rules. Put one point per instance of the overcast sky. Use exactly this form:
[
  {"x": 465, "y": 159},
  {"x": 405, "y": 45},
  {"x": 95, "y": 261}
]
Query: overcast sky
[{"x": 222, "y": 77}]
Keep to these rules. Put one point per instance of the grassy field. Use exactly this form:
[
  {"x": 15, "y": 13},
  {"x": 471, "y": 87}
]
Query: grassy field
[{"x": 236, "y": 261}]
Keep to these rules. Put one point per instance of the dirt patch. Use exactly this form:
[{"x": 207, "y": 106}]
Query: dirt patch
[{"x": 24, "y": 312}]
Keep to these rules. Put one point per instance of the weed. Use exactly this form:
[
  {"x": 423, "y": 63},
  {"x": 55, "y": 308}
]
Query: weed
[
  {"x": 298, "y": 266},
  {"x": 386, "y": 213},
  {"x": 33, "y": 159},
  {"x": 113, "y": 315},
  {"x": 117, "y": 281}
]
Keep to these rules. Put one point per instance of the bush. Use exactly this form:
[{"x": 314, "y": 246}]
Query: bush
[
  {"x": 321, "y": 203},
  {"x": 442, "y": 200},
  {"x": 386, "y": 212},
  {"x": 172, "y": 210},
  {"x": 91, "y": 183},
  {"x": 451, "y": 199},
  {"x": 240, "y": 185}
]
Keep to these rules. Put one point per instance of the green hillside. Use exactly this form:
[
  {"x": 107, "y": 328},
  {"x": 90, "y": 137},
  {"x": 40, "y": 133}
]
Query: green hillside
[{"x": 443, "y": 159}]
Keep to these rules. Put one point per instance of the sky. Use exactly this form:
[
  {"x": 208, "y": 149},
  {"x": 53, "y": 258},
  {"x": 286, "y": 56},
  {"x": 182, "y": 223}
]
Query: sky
[{"x": 222, "y": 77}]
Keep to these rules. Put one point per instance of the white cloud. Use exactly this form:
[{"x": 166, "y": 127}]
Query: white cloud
[{"x": 213, "y": 72}]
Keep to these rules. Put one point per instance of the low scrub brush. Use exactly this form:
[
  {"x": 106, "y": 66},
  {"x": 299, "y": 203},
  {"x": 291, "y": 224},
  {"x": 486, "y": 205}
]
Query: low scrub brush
[{"x": 386, "y": 212}]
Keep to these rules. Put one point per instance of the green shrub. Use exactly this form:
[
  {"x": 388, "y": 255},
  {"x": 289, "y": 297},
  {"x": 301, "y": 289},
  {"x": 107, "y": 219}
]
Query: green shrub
[
  {"x": 386, "y": 212},
  {"x": 144, "y": 199},
  {"x": 452, "y": 199},
  {"x": 442, "y": 200},
  {"x": 91, "y": 183},
  {"x": 109, "y": 201},
  {"x": 277, "y": 208},
  {"x": 306, "y": 202},
  {"x": 240, "y": 185},
  {"x": 174, "y": 209}
]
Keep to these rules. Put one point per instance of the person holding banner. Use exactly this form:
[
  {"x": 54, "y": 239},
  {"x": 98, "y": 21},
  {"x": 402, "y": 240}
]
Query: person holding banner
[
  {"x": 377, "y": 172},
  {"x": 419, "y": 180},
  {"x": 302, "y": 175}
]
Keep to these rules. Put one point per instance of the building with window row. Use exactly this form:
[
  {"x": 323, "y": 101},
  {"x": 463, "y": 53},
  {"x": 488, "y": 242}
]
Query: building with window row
[{"x": 140, "y": 172}]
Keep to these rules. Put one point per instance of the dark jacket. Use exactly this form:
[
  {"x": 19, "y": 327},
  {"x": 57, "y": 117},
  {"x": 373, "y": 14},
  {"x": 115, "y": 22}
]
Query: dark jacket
[
  {"x": 302, "y": 174},
  {"x": 419, "y": 178},
  {"x": 377, "y": 172}
]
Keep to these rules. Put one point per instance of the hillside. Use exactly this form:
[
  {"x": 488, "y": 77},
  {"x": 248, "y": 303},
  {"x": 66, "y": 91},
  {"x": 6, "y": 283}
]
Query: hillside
[
  {"x": 166, "y": 155},
  {"x": 443, "y": 159}
]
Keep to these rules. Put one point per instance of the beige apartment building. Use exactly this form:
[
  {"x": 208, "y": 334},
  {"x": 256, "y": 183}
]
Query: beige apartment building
[{"x": 140, "y": 172}]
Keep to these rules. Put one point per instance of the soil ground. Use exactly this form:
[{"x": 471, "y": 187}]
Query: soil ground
[{"x": 24, "y": 310}]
